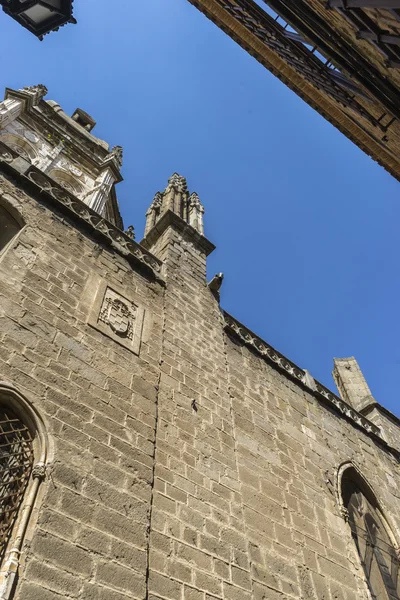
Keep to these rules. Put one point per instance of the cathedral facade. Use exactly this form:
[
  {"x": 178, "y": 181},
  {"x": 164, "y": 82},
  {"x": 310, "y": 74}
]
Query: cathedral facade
[{"x": 152, "y": 447}]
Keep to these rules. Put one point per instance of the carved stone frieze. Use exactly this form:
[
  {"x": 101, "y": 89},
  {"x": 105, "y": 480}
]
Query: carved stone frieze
[
  {"x": 121, "y": 242},
  {"x": 301, "y": 375}
]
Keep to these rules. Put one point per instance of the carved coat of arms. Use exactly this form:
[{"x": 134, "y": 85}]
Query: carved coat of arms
[{"x": 119, "y": 315}]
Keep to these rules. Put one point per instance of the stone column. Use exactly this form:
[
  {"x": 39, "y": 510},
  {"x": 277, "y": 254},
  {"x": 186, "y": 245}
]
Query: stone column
[{"x": 351, "y": 383}]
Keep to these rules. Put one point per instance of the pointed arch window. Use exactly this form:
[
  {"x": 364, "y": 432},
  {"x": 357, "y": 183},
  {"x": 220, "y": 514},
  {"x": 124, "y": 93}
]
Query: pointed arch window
[
  {"x": 379, "y": 558},
  {"x": 9, "y": 227},
  {"x": 16, "y": 460},
  {"x": 23, "y": 460}
]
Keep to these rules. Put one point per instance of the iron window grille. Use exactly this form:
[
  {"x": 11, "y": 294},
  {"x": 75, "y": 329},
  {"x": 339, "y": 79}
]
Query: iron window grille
[{"x": 16, "y": 460}]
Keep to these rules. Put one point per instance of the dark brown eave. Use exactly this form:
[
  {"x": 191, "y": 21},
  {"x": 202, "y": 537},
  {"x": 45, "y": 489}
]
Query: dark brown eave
[
  {"x": 366, "y": 139},
  {"x": 168, "y": 219},
  {"x": 49, "y": 25},
  {"x": 305, "y": 380},
  {"x": 345, "y": 56}
]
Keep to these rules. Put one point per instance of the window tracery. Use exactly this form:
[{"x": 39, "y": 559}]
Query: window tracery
[
  {"x": 20, "y": 145},
  {"x": 16, "y": 460},
  {"x": 66, "y": 181},
  {"x": 24, "y": 457},
  {"x": 379, "y": 557}
]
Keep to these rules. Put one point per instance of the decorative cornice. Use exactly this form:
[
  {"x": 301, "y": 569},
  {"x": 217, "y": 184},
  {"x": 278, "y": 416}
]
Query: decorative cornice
[
  {"x": 52, "y": 191},
  {"x": 302, "y": 376},
  {"x": 168, "y": 219}
]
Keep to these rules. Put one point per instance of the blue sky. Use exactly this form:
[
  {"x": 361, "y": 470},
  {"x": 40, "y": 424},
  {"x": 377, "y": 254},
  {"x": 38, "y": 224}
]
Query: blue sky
[{"x": 306, "y": 225}]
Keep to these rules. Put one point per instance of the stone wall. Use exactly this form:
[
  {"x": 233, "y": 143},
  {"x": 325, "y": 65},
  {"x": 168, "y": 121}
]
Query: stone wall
[
  {"x": 99, "y": 402},
  {"x": 194, "y": 470}
]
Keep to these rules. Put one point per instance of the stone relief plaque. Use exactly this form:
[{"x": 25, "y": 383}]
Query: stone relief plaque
[
  {"x": 32, "y": 137},
  {"x": 117, "y": 317}
]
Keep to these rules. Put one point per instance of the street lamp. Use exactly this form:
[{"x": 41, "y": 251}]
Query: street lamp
[{"x": 39, "y": 16}]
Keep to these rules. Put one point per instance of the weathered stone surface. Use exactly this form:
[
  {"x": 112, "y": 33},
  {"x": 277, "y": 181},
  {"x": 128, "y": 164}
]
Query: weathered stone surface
[{"x": 194, "y": 470}]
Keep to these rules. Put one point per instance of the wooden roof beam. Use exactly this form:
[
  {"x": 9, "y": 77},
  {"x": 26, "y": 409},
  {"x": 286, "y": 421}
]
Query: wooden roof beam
[
  {"x": 384, "y": 38},
  {"x": 345, "y": 4}
]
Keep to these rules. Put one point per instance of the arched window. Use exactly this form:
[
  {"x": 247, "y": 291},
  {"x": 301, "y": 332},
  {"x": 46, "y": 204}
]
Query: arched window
[
  {"x": 23, "y": 460},
  {"x": 16, "y": 461},
  {"x": 378, "y": 555},
  {"x": 9, "y": 227}
]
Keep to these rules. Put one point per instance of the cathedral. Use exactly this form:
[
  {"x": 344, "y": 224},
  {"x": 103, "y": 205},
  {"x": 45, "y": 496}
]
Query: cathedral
[{"x": 151, "y": 446}]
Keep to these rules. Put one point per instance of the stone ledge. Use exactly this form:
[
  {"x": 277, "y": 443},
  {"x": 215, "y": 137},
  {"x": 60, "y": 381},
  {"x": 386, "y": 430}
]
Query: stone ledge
[
  {"x": 302, "y": 377},
  {"x": 170, "y": 218}
]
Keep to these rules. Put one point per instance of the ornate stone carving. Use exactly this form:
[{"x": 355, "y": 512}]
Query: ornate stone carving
[
  {"x": 5, "y": 155},
  {"x": 116, "y": 155},
  {"x": 157, "y": 201},
  {"x": 39, "y": 471},
  {"x": 118, "y": 314},
  {"x": 196, "y": 211},
  {"x": 130, "y": 232},
  {"x": 178, "y": 182},
  {"x": 118, "y": 317},
  {"x": 30, "y": 136},
  {"x": 302, "y": 376},
  {"x": 118, "y": 239},
  {"x": 20, "y": 150},
  {"x": 36, "y": 89}
]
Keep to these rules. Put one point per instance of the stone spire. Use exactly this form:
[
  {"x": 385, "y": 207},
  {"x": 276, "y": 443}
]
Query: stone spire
[
  {"x": 176, "y": 198},
  {"x": 351, "y": 383}
]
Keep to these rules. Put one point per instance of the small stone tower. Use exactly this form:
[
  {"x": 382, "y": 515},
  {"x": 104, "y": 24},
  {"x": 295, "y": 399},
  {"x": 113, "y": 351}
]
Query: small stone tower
[{"x": 62, "y": 147}]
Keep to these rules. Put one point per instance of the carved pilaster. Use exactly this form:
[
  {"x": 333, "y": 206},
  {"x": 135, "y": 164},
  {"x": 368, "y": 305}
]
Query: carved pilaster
[{"x": 39, "y": 471}]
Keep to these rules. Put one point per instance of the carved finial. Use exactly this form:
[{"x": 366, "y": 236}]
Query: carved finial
[
  {"x": 153, "y": 212},
  {"x": 157, "y": 201},
  {"x": 194, "y": 201},
  {"x": 116, "y": 155},
  {"x": 196, "y": 211},
  {"x": 178, "y": 182},
  {"x": 130, "y": 232},
  {"x": 39, "y": 91}
]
